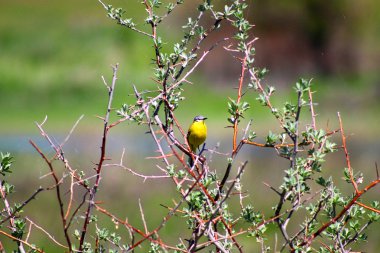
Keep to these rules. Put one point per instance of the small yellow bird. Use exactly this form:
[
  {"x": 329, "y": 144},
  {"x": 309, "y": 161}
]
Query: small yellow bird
[{"x": 197, "y": 133}]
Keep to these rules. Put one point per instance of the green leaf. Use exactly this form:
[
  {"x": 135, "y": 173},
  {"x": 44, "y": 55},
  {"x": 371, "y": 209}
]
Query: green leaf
[
  {"x": 262, "y": 73},
  {"x": 302, "y": 85},
  {"x": 103, "y": 234},
  {"x": 271, "y": 139},
  {"x": 321, "y": 181},
  {"x": 6, "y": 163},
  {"x": 252, "y": 135}
]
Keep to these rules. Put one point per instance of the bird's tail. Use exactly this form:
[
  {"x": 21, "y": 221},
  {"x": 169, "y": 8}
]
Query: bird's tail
[
  {"x": 191, "y": 161},
  {"x": 193, "y": 150}
]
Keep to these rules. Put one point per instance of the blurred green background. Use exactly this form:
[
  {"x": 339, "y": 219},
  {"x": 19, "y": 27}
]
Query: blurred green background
[{"x": 53, "y": 54}]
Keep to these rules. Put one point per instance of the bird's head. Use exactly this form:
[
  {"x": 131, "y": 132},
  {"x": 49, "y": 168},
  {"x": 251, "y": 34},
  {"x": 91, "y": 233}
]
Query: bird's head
[{"x": 199, "y": 118}]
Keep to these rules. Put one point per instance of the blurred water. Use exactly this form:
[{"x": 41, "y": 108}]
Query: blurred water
[
  {"x": 144, "y": 145},
  {"x": 19, "y": 143}
]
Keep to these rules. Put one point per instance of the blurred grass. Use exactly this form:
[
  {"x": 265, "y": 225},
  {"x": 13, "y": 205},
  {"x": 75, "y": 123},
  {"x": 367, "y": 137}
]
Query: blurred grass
[
  {"x": 52, "y": 59},
  {"x": 53, "y": 56}
]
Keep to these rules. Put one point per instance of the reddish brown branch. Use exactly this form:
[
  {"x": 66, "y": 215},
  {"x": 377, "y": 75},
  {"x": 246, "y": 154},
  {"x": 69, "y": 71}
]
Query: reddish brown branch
[
  {"x": 102, "y": 158},
  {"x": 21, "y": 241},
  {"x": 311, "y": 105},
  {"x": 353, "y": 201},
  {"x": 15, "y": 210},
  {"x": 350, "y": 171},
  {"x": 283, "y": 145},
  {"x": 368, "y": 207},
  {"x": 129, "y": 226},
  {"x": 58, "y": 193},
  {"x": 240, "y": 88}
]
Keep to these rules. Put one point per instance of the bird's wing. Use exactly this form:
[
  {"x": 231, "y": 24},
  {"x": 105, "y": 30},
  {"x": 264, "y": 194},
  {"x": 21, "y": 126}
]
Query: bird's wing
[{"x": 188, "y": 134}]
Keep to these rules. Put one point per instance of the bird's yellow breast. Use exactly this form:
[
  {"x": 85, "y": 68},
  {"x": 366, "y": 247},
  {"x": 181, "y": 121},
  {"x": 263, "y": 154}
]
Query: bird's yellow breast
[{"x": 197, "y": 134}]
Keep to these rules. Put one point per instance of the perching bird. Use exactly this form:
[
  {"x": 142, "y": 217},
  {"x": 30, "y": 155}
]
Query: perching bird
[{"x": 196, "y": 134}]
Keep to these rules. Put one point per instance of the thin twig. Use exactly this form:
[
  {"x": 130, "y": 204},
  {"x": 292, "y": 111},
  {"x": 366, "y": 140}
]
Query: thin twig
[
  {"x": 352, "y": 179},
  {"x": 71, "y": 131},
  {"x": 133, "y": 172},
  {"x": 21, "y": 241},
  {"x": 20, "y": 207},
  {"x": 123, "y": 23},
  {"x": 101, "y": 159},
  {"x": 143, "y": 218},
  {"x": 46, "y": 233},
  {"x": 58, "y": 192},
  {"x": 240, "y": 88},
  {"x": 353, "y": 201},
  {"x": 311, "y": 105},
  {"x": 368, "y": 207},
  {"x": 71, "y": 197}
]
